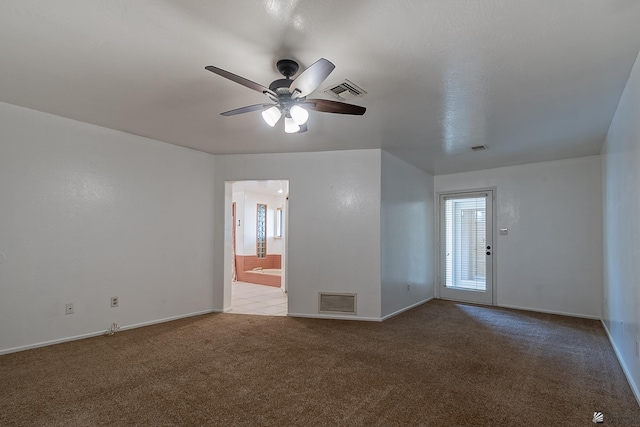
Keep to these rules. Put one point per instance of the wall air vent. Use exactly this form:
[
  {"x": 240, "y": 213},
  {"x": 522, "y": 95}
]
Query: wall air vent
[
  {"x": 336, "y": 303},
  {"x": 345, "y": 90}
]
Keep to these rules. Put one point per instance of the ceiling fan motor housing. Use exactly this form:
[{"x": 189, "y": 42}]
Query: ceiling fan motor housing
[
  {"x": 287, "y": 67},
  {"x": 281, "y": 87}
]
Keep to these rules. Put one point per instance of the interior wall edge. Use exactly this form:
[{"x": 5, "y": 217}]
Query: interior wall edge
[
  {"x": 627, "y": 372},
  {"x": 559, "y": 313},
  {"x": 335, "y": 317},
  {"x": 402, "y": 310}
]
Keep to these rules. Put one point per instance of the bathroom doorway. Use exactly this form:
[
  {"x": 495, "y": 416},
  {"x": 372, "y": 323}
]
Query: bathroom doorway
[{"x": 258, "y": 253}]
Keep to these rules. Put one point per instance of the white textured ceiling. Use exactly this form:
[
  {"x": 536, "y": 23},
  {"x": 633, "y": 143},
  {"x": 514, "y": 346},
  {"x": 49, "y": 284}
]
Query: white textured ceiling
[{"x": 534, "y": 80}]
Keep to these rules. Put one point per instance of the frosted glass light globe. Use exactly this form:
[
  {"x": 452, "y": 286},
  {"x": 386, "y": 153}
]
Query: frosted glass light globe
[
  {"x": 290, "y": 126},
  {"x": 299, "y": 114},
  {"x": 271, "y": 115}
]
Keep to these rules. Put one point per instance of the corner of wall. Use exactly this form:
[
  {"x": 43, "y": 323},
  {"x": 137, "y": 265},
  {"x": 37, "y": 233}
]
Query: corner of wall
[
  {"x": 407, "y": 236},
  {"x": 621, "y": 205}
]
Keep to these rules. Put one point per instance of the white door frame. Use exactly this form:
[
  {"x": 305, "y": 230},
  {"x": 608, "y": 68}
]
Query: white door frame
[
  {"x": 228, "y": 221},
  {"x": 494, "y": 238}
]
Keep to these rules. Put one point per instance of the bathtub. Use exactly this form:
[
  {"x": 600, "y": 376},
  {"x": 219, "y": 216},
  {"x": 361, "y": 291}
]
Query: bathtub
[
  {"x": 266, "y": 276},
  {"x": 272, "y": 271}
]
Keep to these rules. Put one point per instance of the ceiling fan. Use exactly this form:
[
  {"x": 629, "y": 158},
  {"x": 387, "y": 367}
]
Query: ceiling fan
[{"x": 289, "y": 97}]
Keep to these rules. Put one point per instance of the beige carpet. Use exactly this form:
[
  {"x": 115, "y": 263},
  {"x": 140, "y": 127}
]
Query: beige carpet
[{"x": 441, "y": 364}]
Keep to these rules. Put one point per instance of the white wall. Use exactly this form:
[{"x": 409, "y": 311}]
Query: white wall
[
  {"x": 334, "y": 224},
  {"x": 87, "y": 213},
  {"x": 551, "y": 260},
  {"x": 407, "y": 238},
  {"x": 621, "y": 183},
  {"x": 247, "y": 229}
]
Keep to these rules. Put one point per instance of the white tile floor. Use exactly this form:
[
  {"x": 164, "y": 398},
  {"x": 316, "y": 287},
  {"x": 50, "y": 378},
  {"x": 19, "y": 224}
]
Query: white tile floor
[{"x": 248, "y": 298}]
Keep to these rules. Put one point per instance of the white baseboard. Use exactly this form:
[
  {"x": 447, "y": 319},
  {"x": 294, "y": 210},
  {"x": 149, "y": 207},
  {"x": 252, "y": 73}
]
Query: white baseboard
[
  {"x": 169, "y": 319},
  {"x": 335, "y": 317},
  {"x": 95, "y": 334},
  {"x": 52, "y": 342},
  {"x": 625, "y": 368},
  {"x": 402, "y": 310},
  {"x": 540, "y": 310},
  {"x": 365, "y": 319}
]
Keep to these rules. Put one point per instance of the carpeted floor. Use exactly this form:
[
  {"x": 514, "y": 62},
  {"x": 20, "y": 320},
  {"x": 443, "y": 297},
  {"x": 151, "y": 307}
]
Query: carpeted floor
[{"x": 441, "y": 364}]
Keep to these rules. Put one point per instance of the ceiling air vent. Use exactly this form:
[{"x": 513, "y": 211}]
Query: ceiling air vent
[
  {"x": 479, "y": 147},
  {"x": 345, "y": 90},
  {"x": 336, "y": 303}
]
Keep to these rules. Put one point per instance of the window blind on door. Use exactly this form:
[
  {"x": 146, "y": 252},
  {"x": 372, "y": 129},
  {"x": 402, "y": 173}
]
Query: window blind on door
[{"x": 465, "y": 222}]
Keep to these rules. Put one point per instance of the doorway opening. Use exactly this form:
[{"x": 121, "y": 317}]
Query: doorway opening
[
  {"x": 258, "y": 254},
  {"x": 466, "y": 246}
]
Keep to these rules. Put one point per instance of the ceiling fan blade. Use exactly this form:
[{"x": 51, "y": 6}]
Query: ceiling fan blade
[
  {"x": 311, "y": 78},
  {"x": 303, "y": 128},
  {"x": 327, "y": 106},
  {"x": 240, "y": 80},
  {"x": 246, "y": 109}
]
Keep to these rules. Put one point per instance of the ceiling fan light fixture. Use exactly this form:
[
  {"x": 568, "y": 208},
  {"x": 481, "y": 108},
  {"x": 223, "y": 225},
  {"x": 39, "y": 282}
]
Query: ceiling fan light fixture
[
  {"x": 290, "y": 126},
  {"x": 289, "y": 97},
  {"x": 299, "y": 115},
  {"x": 271, "y": 115}
]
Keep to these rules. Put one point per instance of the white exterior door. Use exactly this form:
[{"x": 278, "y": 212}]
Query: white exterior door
[{"x": 466, "y": 247}]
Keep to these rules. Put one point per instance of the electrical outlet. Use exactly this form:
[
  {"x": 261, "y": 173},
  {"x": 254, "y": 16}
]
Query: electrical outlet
[
  {"x": 408, "y": 287},
  {"x": 637, "y": 349},
  {"x": 68, "y": 308},
  {"x": 114, "y": 301}
]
